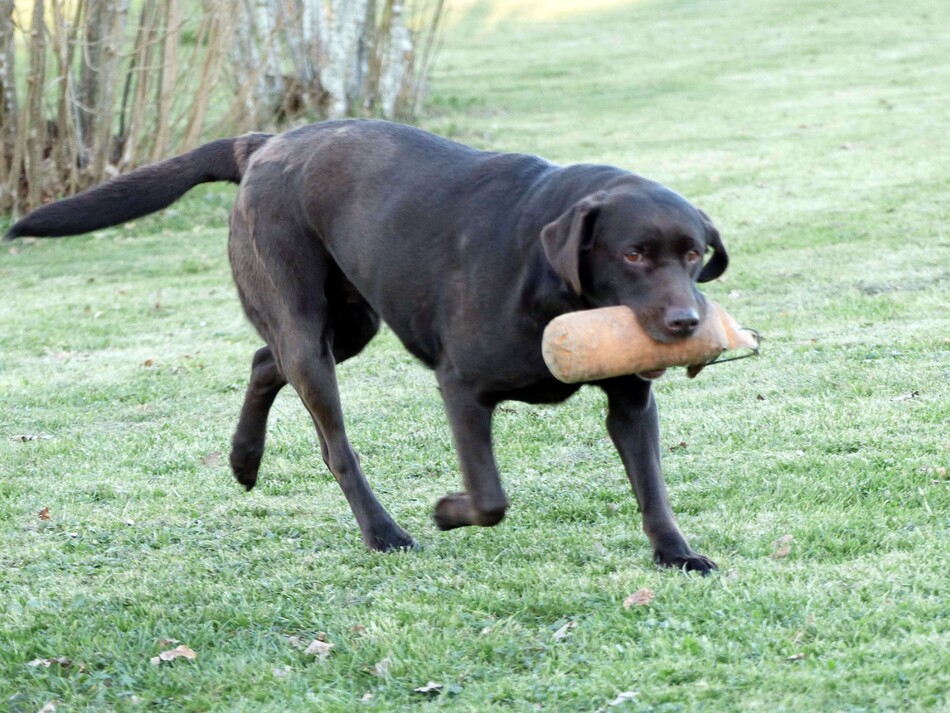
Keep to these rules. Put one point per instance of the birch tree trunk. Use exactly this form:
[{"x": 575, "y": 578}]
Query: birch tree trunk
[
  {"x": 395, "y": 56},
  {"x": 346, "y": 60}
]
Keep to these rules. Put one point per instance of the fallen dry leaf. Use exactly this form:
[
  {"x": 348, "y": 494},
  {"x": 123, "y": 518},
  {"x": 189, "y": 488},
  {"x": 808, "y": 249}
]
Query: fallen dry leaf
[
  {"x": 795, "y": 657},
  {"x": 562, "y": 632},
  {"x": 212, "y": 458},
  {"x": 624, "y": 697},
  {"x": 783, "y": 547},
  {"x": 49, "y": 707},
  {"x": 640, "y": 598},
  {"x": 46, "y": 663},
  {"x": 44, "y": 514},
  {"x": 178, "y": 652},
  {"x": 907, "y": 396},
  {"x": 148, "y": 363},
  {"x": 281, "y": 671},
  {"x": 367, "y": 697},
  {"x": 320, "y": 649},
  {"x": 165, "y": 643},
  {"x": 381, "y": 668},
  {"x": 429, "y": 689}
]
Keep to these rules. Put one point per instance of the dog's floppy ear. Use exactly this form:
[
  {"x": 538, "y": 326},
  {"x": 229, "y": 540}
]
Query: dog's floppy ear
[
  {"x": 719, "y": 261},
  {"x": 567, "y": 237}
]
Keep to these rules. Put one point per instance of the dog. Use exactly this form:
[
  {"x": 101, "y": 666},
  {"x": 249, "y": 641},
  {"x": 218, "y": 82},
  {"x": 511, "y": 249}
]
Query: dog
[{"x": 465, "y": 254}]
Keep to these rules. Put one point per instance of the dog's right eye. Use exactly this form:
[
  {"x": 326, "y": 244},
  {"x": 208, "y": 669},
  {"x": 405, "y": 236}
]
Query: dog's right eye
[{"x": 633, "y": 256}]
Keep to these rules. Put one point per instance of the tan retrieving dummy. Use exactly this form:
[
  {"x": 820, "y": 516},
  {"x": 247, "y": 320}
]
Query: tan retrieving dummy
[{"x": 602, "y": 343}]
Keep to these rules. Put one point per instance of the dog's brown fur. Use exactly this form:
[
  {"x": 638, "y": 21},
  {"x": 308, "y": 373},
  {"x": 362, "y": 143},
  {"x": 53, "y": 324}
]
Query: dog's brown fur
[{"x": 466, "y": 255}]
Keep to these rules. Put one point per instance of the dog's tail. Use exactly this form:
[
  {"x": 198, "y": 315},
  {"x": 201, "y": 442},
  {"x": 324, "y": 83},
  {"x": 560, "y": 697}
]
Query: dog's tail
[{"x": 142, "y": 191}]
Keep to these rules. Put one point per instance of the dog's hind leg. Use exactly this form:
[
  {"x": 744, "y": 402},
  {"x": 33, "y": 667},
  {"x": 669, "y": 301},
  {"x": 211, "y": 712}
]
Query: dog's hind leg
[
  {"x": 247, "y": 445},
  {"x": 354, "y": 325},
  {"x": 293, "y": 292},
  {"x": 307, "y": 361}
]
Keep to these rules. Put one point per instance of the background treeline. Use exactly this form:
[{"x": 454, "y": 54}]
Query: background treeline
[{"x": 90, "y": 88}]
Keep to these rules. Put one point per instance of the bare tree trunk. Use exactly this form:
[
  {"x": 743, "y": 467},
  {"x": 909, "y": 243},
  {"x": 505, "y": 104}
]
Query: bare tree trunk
[
  {"x": 8, "y": 95},
  {"x": 313, "y": 27},
  {"x": 35, "y": 137},
  {"x": 216, "y": 32},
  {"x": 169, "y": 76},
  {"x": 137, "y": 85},
  {"x": 289, "y": 59},
  {"x": 114, "y": 17},
  {"x": 302, "y": 25},
  {"x": 245, "y": 58},
  {"x": 88, "y": 89},
  {"x": 255, "y": 54},
  {"x": 66, "y": 148},
  {"x": 395, "y": 60},
  {"x": 346, "y": 54},
  {"x": 331, "y": 59},
  {"x": 421, "y": 81}
]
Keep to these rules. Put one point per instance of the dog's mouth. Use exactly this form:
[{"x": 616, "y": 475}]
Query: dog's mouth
[{"x": 651, "y": 375}]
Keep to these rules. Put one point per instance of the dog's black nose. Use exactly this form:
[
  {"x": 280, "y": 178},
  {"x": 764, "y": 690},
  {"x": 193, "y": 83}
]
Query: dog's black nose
[{"x": 682, "y": 322}]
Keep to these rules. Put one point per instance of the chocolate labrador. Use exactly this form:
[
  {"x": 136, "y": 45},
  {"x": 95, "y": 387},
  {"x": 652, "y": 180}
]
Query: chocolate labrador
[{"x": 465, "y": 254}]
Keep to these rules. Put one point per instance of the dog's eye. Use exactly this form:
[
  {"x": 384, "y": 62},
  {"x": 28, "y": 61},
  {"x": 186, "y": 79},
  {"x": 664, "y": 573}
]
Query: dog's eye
[
  {"x": 633, "y": 256},
  {"x": 693, "y": 256}
]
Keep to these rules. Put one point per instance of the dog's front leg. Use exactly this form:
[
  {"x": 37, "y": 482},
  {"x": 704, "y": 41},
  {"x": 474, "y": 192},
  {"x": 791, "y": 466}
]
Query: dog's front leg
[
  {"x": 470, "y": 414},
  {"x": 634, "y": 428}
]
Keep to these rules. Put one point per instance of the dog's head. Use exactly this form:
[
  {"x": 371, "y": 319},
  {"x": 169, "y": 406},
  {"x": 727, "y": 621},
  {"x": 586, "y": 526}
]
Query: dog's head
[{"x": 641, "y": 246}]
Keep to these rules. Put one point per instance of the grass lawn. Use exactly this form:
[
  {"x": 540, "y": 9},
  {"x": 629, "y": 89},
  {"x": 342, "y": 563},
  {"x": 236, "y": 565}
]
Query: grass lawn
[{"x": 816, "y": 134}]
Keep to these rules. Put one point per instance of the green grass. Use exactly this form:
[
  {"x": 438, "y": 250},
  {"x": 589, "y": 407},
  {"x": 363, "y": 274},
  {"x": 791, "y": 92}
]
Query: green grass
[{"x": 813, "y": 132}]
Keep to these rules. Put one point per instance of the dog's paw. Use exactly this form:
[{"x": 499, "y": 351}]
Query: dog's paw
[
  {"x": 456, "y": 510},
  {"x": 389, "y": 538},
  {"x": 452, "y": 511},
  {"x": 245, "y": 465},
  {"x": 686, "y": 562}
]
